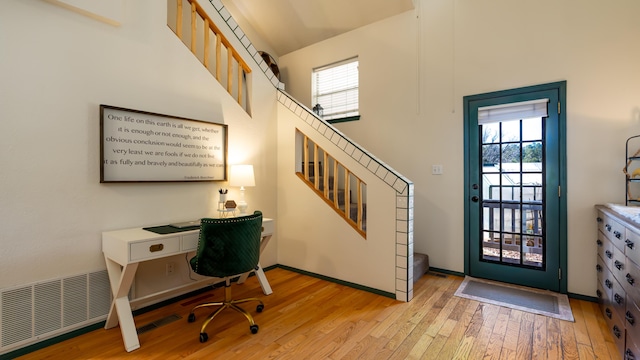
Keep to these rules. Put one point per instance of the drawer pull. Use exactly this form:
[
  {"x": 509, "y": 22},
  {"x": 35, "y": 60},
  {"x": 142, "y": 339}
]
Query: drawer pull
[
  {"x": 599, "y": 219},
  {"x": 616, "y": 331},
  {"x": 628, "y": 355},
  {"x": 618, "y": 265},
  {"x": 630, "y": 318},
  {"x": 599, "y": 242},
  {"x": 608, "y": 283},
  {"x": 617, "y": 234},
  {"x": 609, "y": 254},
  {"x": 608, "y": 313},
  {"x": 608, "y": 227},
  {"x": 630, "y": 279},
  {"x": 599, "y": 293},
  {"x": 629, "y": 243},
  {"x": 598, "y": 268},
  {"x": 156, "y": 247},
  {"x": 618, "y": 299}
]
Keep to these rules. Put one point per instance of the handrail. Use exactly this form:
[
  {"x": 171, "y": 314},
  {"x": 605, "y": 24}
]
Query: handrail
[
  {"x": 222, "y": 44},
  {"x": 312, "y": 173}
]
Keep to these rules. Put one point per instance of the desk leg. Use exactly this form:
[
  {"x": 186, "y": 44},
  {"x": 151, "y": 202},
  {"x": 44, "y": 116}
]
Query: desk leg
[
  {"x": 262, "y": 278},
  {"x": 264, "y": 283},
  {"x": 121, "y": 279}
]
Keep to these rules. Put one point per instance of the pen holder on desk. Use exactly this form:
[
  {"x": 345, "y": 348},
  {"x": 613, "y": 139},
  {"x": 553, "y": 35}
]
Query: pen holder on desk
[{"x": 223, "y": 199}]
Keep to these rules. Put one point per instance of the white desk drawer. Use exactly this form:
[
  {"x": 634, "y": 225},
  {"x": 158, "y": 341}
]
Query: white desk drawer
[
  {"x": 267, "y": 227},
  {"x": 150, "y": 249},
  {"x": 190, "y": 242}
]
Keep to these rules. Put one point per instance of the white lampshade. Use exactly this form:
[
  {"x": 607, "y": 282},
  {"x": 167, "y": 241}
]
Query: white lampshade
[{"x": 241, "y": 175}]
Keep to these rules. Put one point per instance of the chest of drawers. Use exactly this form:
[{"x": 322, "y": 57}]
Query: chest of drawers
[{"x": 618, "y": 267}]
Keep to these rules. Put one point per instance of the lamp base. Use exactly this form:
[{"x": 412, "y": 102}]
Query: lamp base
[{"x": 242, "y": 206}]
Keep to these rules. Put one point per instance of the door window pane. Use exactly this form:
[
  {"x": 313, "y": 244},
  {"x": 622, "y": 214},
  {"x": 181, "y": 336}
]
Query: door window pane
[
  {"x": 490, "y": 133},
  {"x": 510, "y": 130},
  {"x": 512, "y": 193},
  {"x": 532, "y": 129}
]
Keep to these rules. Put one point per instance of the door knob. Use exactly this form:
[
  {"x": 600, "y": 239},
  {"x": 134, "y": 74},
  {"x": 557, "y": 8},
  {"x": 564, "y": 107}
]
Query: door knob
[{"x": 474, "y": 198}]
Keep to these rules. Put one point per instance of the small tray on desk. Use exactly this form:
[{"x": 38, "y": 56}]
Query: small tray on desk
[{"x": 168, "y": 229}]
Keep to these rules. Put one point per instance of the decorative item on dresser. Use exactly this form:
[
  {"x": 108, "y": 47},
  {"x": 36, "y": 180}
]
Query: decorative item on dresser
[{"x": 618, "y": 267}]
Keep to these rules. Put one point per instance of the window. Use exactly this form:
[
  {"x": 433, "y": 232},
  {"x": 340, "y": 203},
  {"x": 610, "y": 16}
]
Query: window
[{"x": 335, "y": 89}]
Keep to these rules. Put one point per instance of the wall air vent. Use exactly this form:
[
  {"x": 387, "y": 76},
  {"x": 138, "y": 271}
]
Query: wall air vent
[{"x": 36, "y": 312}]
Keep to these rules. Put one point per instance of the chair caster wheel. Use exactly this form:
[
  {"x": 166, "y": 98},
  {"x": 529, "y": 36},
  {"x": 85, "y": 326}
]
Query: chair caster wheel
[
  {"x": 204, "y": 337},
  {"x": 192, "y": 318},
  {"x": 259, "y": 308},
  {"x": 254, "y": 329}
]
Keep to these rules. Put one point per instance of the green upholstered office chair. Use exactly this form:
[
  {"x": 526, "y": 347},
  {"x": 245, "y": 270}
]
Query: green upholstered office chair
[{"x": 226, "y": 248}]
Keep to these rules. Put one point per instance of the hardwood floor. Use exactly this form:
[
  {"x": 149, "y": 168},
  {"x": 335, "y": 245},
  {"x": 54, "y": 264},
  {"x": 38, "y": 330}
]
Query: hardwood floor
[{"x": 308, "y": 318}]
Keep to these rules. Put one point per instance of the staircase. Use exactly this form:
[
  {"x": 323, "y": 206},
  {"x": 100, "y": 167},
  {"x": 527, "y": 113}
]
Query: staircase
[{"x": 388, "y": 231}]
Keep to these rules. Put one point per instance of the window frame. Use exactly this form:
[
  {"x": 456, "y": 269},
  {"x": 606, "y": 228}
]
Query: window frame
[{"x": 348, "y": 114}]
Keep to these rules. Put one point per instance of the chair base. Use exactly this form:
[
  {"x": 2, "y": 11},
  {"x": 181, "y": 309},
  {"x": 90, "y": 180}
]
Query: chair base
[{"x": 227, "y": 303}]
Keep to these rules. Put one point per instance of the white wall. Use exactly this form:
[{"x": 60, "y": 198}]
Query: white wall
[
  {"x": 416, "y": 67},
  {"x": 56, "y": 68}
]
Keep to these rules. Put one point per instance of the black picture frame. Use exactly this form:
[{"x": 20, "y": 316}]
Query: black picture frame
[{"x": 141, "y": 146}]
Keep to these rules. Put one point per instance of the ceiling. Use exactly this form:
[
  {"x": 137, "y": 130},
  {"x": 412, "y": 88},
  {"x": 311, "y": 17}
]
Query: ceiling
[{"x": 289, "y": 25}]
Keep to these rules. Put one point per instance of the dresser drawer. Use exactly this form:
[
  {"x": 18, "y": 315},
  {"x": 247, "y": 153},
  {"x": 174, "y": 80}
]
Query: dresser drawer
[
  {"x": 606, "y": 280},
  {"x": 608, "y": 309},
  {"x": 605, "y": 249},
  {"x": 633, "y": 349},
  {"x": 632, "y": 319},
  {"x": 613, "y": 230},
  {"x": 617, "y": 331},
  {"x": 151, "y": 249},
  {"x": 618, "y": 264},
  {"x": 631, "y": 280},
  {"x": 619, "y": 299},
  {"x": 632, "y": 247},
  {"x": 600, "y": 270},
  {"x": 602, "y": 296}
]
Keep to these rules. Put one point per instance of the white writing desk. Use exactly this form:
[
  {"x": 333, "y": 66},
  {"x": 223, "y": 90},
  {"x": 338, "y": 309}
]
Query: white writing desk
[{"x": 125, "y": 249}]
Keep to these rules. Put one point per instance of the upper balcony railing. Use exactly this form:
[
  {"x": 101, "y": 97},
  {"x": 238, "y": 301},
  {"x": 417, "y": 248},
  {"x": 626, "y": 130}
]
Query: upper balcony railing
[{"x": 190, "y": 22}]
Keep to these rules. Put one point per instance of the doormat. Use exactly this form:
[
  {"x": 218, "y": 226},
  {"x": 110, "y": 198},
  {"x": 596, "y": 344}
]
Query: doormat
[{"x": 531, "y": 300}]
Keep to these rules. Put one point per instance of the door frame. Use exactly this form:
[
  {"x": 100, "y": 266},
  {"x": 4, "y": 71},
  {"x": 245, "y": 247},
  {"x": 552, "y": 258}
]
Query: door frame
[{"x": 561, "y": 88}]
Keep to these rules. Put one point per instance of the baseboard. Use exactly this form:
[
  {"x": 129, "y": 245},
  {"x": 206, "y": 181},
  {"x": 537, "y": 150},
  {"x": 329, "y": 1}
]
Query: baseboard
[
  {"x": 445, "y": 271},
  {"x": 583, "y": 297},
  {"x": 338, "y": 281}
]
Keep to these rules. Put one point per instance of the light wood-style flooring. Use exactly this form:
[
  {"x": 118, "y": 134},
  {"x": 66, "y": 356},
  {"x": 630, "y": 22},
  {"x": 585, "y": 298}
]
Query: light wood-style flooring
[{"x": 309, "y": 318}]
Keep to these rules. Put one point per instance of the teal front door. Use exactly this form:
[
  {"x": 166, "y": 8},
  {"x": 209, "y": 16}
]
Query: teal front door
[{"x": 515, "y": 207}]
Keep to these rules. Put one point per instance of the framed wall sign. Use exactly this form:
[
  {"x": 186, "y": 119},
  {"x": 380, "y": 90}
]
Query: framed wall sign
[{"x": 139, "y": 146}]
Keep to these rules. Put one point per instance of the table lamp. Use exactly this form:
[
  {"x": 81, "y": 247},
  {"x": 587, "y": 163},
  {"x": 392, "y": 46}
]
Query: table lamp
[{"x": 242, "y": 175}]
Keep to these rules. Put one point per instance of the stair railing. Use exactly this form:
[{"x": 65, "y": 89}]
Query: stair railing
[
  {"x": 333, "y": 182},
  {"x": 197, "y": 35}
]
